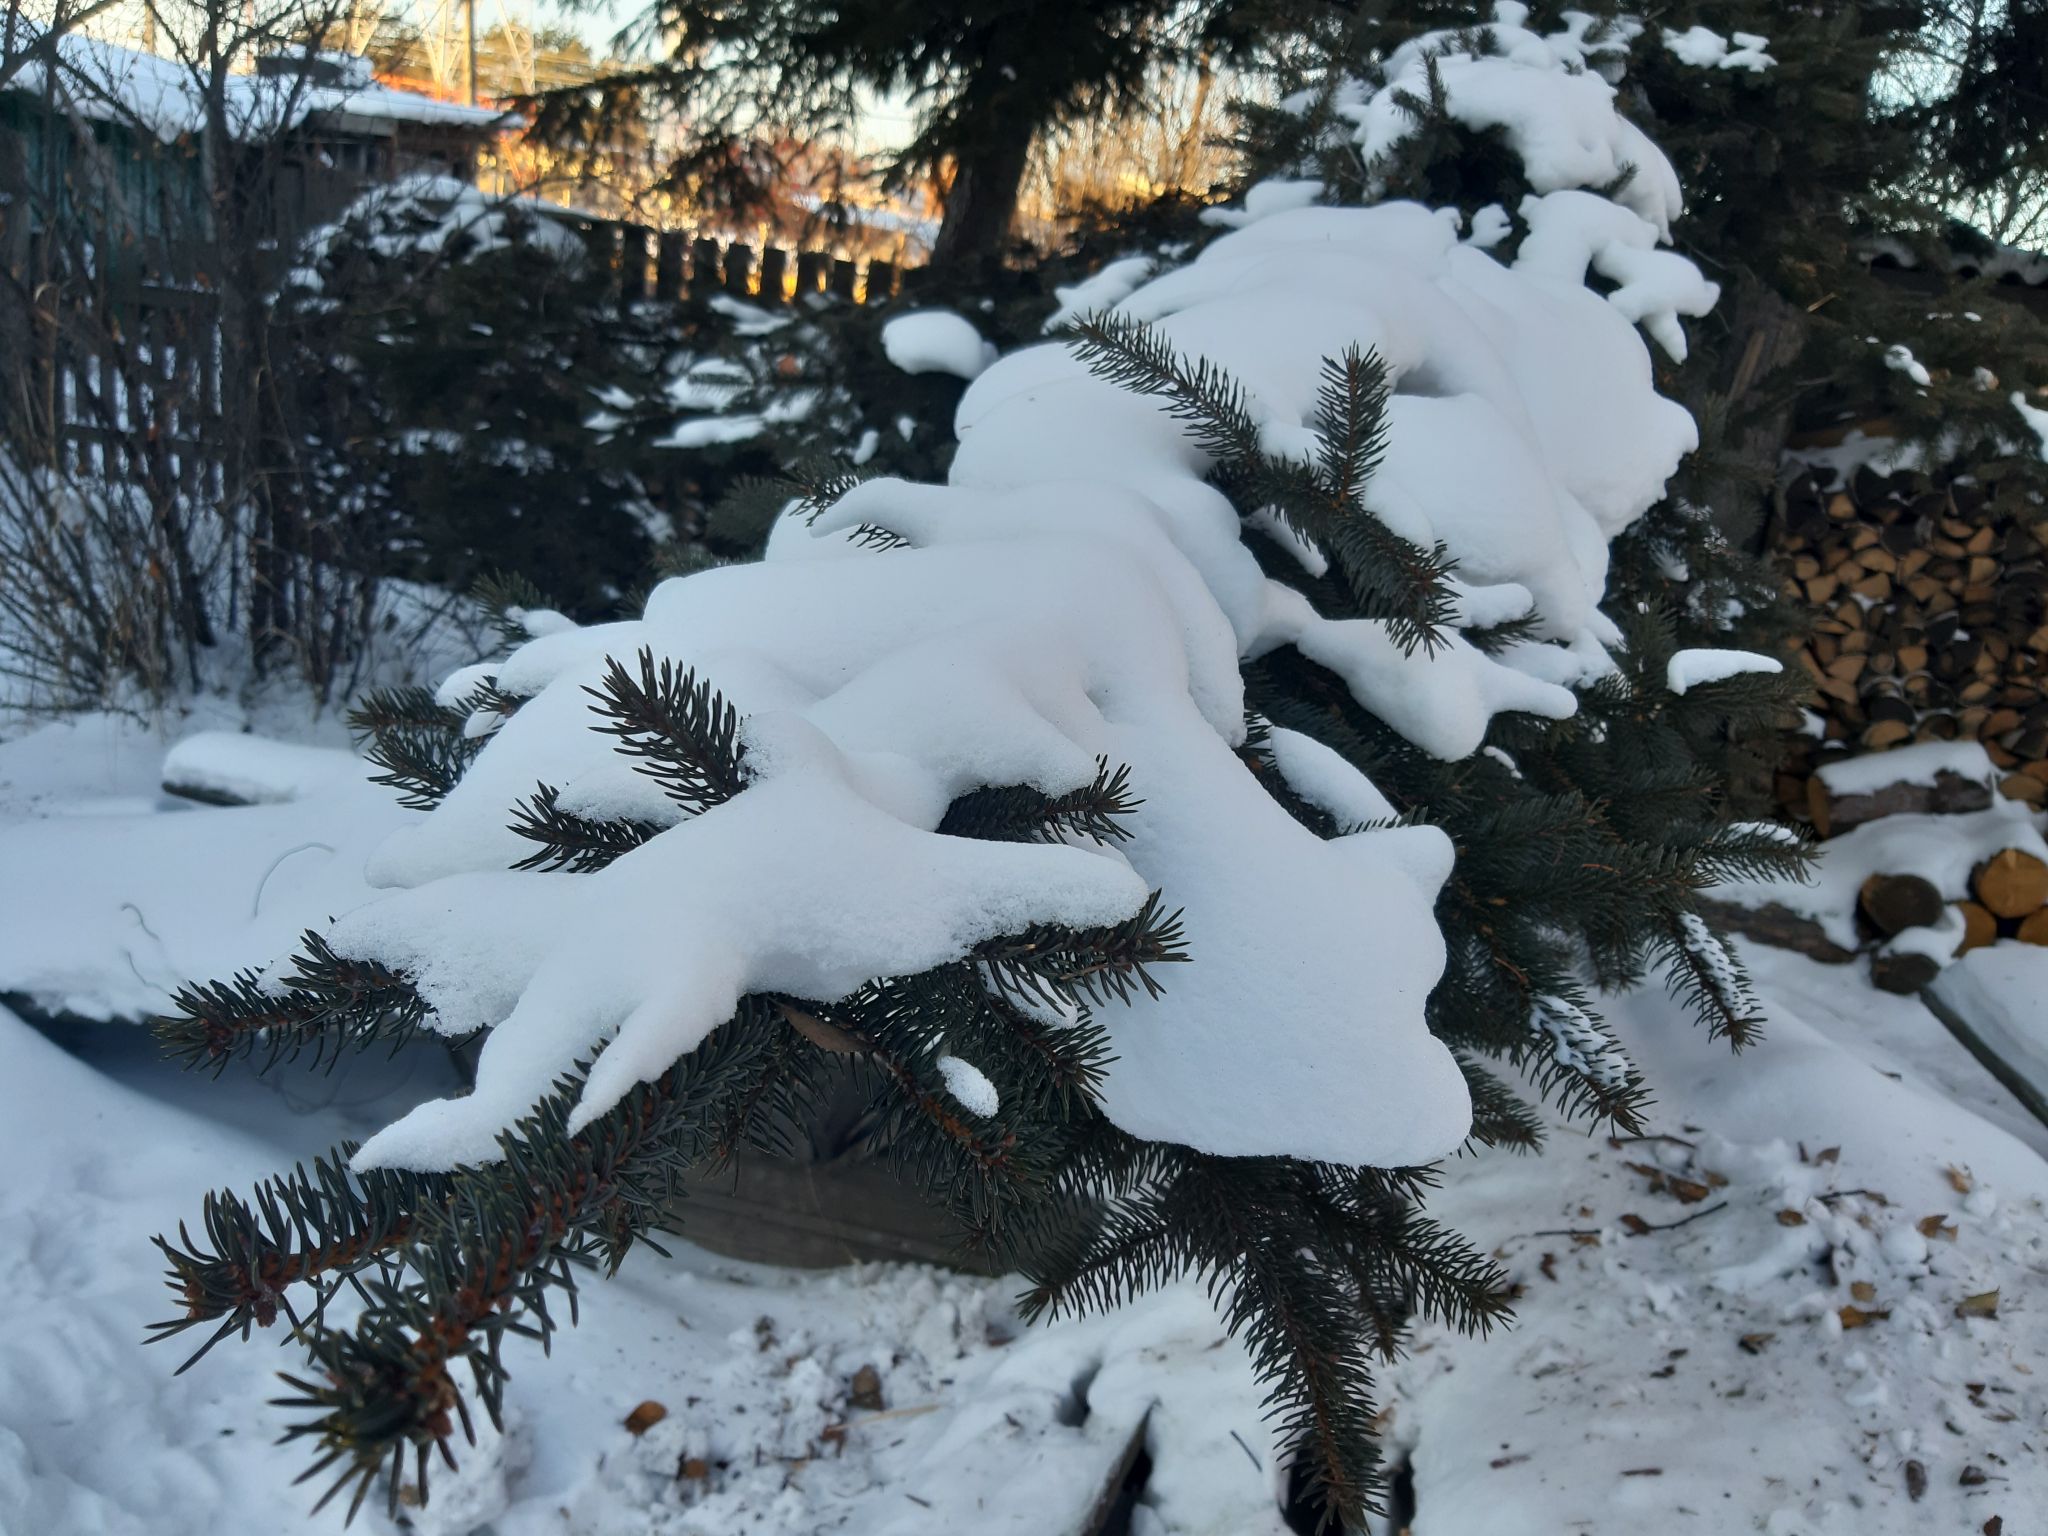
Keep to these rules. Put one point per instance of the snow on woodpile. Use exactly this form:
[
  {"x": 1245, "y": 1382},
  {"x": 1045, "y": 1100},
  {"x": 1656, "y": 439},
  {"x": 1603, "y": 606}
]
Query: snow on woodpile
[
  {"x": 1080, "y": 592},
  {"x": 1943, "y": 850},
  {"x": 1923, "y": 763}
]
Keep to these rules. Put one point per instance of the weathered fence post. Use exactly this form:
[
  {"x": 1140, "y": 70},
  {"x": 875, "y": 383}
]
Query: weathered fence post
[
  {"x": 632, "y": 263},
  {"x": 703, "y": 265},
  {"x": 669, "y": 255},
  {"x": 774, "y": 272}
]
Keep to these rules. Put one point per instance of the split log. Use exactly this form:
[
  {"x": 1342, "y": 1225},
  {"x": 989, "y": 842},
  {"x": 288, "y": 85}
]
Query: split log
[
  {"x": 1894, "y": 903},
  {"x": 1930, "y": 599},
  {"x": 1903, "y": 971},
  {"x": 2033, "y": 928},
  {"x": 2011, "y": 884},
  {"x": 1773, "y": 924},
  {"x": 1979, "y": 926},
  {"x": 1950, "y": 794}
]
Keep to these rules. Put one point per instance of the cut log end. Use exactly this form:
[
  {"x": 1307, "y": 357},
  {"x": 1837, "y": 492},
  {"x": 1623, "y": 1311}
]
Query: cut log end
[
  {"x": 1894, "y": 903},
  {"x": 2012, "y": 883},
  {"x": 1979, "y": 926},
  {"x": 1903, "y": 972}
]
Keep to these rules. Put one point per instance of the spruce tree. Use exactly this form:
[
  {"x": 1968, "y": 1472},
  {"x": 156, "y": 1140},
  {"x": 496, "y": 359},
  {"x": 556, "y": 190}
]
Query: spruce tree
[
  {"x": 1173, "y": 609},
  {"x": 468, "y": 378}
]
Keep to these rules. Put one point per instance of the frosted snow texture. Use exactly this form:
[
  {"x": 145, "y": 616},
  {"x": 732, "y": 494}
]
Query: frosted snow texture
[{"x": 1079, "y": 591}]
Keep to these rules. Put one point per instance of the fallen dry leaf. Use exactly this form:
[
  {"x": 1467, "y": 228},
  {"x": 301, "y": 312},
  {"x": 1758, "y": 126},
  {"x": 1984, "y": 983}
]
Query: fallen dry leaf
[
  {"x": 1857, "y": 1317},
  {"x": 1983, "y": 1304},
  {"x": 1828, "y": 1155},
  {"x": 645, "y": 1417},
  {"x": 1974, "y": 1477},
  {"x": 1995, "y": 1526},
  {"x": 1791, "y": 1218},
  {"x": 1753, "y": 1343},
  {"x": 1549, "y": 1266},
  {"x": 695, "y": 1468},
  {"x": 1936, "y": 1226},
  {"x": 1689, "y": 1191},
  {"x": 1863, "y": 1290},
  {"x": 1635, "y": 1223},
  {"x": 1959, "y": 1179},
  {"x": 1916, "y": 1481}
]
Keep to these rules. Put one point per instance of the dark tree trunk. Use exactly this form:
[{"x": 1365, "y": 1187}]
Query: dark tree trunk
[
  {"x": 982, "y": 203},
  {"x": 1767, "y": 335}
]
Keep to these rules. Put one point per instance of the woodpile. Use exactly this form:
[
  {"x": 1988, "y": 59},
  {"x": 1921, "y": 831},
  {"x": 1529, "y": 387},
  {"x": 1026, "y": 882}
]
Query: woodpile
[
  {"x": 2008, "y": 900},
  {"x": 1931, "y": 624}
]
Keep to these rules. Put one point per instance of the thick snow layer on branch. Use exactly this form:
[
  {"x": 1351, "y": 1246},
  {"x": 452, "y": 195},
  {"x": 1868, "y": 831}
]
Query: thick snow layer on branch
[
  {"x": 1568, "y": 231},
  {"x": 1919, "y": 764},
  {"x": 1558, "y": 115},
  {"x": 1029, "y": 633},
  {"x": 1694, "y": 669},
  {"x": 1100, "y": 290},
  {"x": 1704, "y": 48},
  {"x": 1941, "y": 849},
  {"x": 1079, "y": 592},
  {"x": 2035, "y": 418},
  {"x": 936, "y": 341}
]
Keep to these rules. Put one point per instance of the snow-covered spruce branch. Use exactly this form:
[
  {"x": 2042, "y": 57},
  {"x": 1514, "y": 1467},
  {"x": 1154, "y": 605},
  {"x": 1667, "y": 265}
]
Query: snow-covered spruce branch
[{"x": 921, "y": 789}]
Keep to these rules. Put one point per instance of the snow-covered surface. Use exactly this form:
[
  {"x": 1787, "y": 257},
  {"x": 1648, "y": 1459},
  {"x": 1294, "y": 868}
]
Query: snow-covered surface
[
  {"x": 1941, "y": 849},
  {"x": 1063, "y": 632},
  {"x": 1629, "y": 1359},
  {"x": 981, "y": 1429},
  {"x": 936, "y": 341},
  {"x": 2001, "y": 991},
  {"x": 1079, "y": 591},
  {"x": 1100, "y": 290},
  {"x": 1704, "y": 48},
  {"x": 1547, "y": 96},
  {"x": 1696, "y": 668},
  {"x": 2035, "y": 418},
  {"x": 104, "y": 81},
  {"x": 1922, "y": 763},
  {"x": 1626, "y": 1399},
  {"x": 116, "y": 894},
  {"x": 255, "y": 770}
]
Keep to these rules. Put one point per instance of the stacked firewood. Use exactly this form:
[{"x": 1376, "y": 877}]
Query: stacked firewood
[
  {"x": 1931, "y": 624},
  {"x": 2008, "y": 899}
]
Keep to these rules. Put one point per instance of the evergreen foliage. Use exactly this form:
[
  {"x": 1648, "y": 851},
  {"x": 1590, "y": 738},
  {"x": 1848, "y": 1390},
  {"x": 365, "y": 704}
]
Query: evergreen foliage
[
  {"x": 760, "y": 83},
  {"x": 1582, "y": 846},
  {"x": 456, "y": 364}
]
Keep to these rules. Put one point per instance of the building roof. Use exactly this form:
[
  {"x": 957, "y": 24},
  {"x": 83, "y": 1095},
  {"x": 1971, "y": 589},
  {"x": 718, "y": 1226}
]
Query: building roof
[{"x": 106, "y": 82}]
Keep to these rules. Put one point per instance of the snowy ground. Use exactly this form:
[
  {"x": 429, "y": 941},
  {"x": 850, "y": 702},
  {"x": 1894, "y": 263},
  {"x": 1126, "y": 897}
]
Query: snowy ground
[{"x": 1789, "y": 1360}]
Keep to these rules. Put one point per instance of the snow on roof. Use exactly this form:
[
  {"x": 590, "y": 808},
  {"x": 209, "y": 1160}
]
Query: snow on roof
[{"x": 106, "y": 82}]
